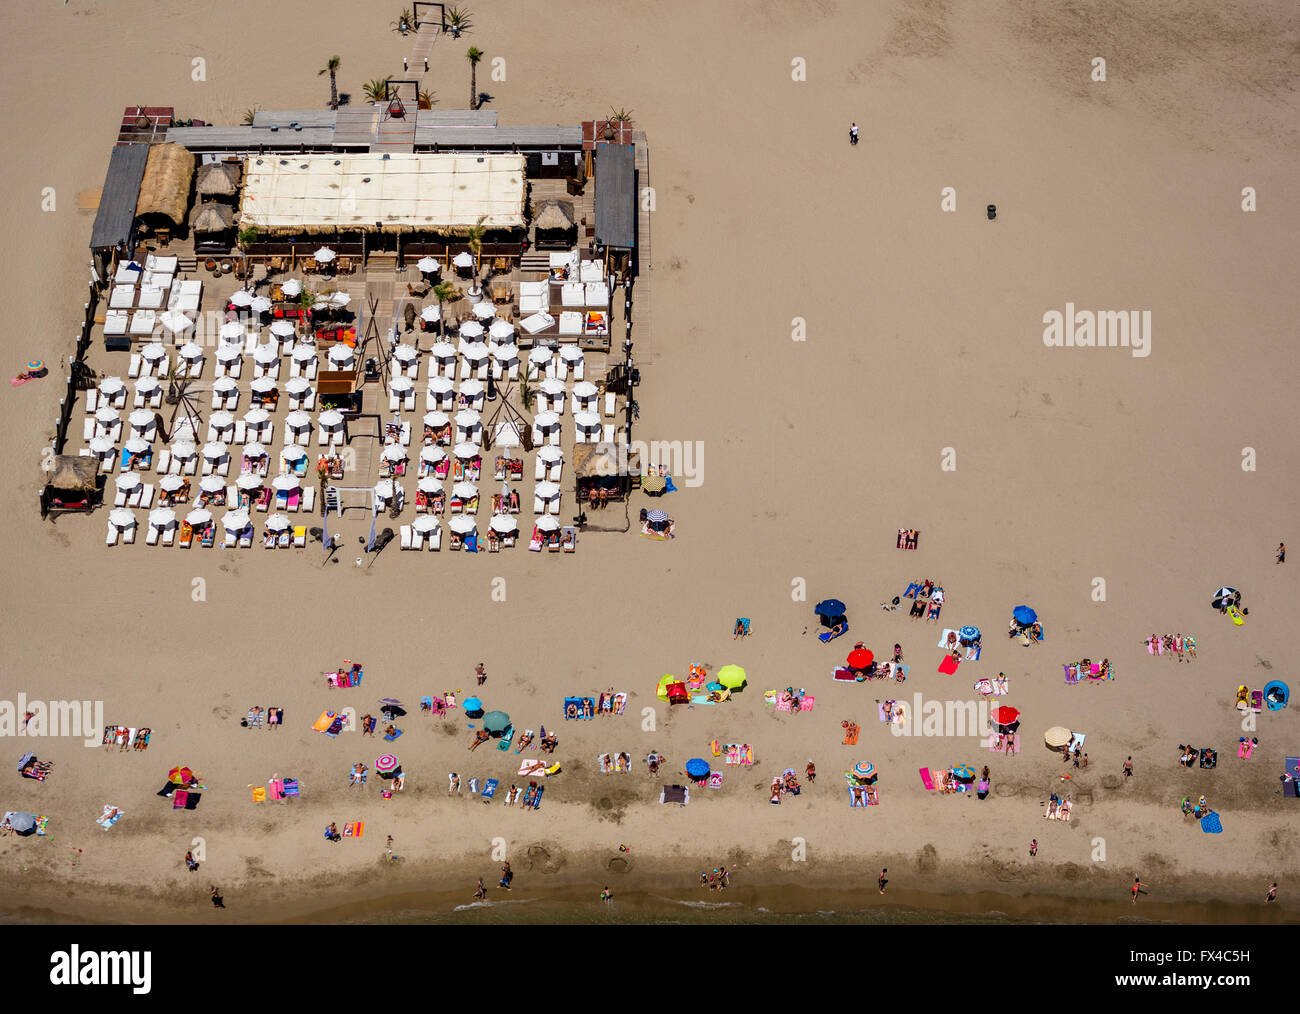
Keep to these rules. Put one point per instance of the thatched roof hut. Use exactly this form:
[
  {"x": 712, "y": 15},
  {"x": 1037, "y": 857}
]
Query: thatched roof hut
[
  {"x": 553, "y": 215},
  {"x": 212, "y": 217},
  {"x": 218, "y": 179},
  {"x": 74, "y": 474},
  {"x": 165, "y": 189},
  {"x": 603, "y": 460}
]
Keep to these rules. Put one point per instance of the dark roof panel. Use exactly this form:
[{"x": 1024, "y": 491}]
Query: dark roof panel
[
  {"x": 615, "y": 196},
  {"x": 116, "y": 215}
]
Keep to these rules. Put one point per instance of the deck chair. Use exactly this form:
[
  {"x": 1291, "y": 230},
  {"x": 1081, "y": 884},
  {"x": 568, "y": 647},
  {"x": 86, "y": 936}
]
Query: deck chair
[
  {"x": 134, "y": 370},
  {"x": 406, "y": 536},
  {"x": 92, "y": 401}
]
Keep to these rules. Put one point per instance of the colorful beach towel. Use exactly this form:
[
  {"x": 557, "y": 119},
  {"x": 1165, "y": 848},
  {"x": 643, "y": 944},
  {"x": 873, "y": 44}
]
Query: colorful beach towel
[
  {"x": 109, "y": 817},
  {"x": 926, "y": 780},
  {"x": 851, "y": 733},
  {"x": 1211, "y": 824},
  {"x": 291, "y": 786},
  {"x": 490, "y": 788},
  {"x": 356, "y": 829},
  {"x": 984, "y": 688},
  {"x": 259, "y": 794},
  {"x": 715, "y": 780}
]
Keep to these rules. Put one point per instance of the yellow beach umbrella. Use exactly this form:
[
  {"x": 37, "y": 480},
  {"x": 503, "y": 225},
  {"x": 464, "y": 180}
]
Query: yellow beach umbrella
[{"x": 731, "y": 676}]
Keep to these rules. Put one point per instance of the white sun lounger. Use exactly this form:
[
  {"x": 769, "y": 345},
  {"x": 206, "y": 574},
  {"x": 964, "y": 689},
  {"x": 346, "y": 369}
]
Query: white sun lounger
[{"x": 406, "y": 536}]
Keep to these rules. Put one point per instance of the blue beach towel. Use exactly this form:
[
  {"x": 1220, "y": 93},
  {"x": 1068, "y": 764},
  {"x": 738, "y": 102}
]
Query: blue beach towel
[
  {"x": 668, "y": 484},
  {"x": 489, "y": 790},
  {"x": 1211, "y": 824}
]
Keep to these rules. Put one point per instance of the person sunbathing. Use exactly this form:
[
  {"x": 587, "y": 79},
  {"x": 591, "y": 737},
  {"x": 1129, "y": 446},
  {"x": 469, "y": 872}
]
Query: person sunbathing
[
  {"x": 918, "y": 609},
  {"x": 482, "y": 737}
]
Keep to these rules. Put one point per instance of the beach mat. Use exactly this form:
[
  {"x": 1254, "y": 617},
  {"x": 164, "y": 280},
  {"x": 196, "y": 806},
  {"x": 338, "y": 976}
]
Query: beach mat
[
  {"x": 1211, "y": 824},
  {"x": 949, "y": 665},
  {"x": 926, "y": 780},
  {"x": 851, "y": 733}
]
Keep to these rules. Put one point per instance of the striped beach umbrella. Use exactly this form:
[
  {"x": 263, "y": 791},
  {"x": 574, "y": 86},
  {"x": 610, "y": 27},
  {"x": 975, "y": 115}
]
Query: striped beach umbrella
[
  {"x": 658, "y": 517},
  {"x": 864, "y": 769},
  {"x": 387, "y": 763}
]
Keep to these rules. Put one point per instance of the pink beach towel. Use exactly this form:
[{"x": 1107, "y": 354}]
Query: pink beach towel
[
  {"x": 925, "y": 778},
  {"x": 807, "y": 703}
]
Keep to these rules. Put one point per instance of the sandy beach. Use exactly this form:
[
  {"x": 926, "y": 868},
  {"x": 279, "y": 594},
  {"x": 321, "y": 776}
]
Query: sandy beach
[{"x": 923, "y": 345}]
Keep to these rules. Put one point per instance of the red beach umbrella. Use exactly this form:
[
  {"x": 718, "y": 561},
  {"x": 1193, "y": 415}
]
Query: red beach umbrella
[
  {"x": 860, "y": 658},
  {"x": 1004, "y": 715}
]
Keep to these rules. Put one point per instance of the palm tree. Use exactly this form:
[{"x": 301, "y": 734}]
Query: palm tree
[
  {"x": 620, "y": 115},
  {"x": 404, "y": 23},
  {"x": 374, "y": 90},
  {"x": 244, "y": 239},
  {"x": 473, "y": 55},
  {"x": 306, "y": 300},
  {"x": 475, "y": 235},
  {"x": 331, "y": 68},
  {"x": 457, "y": 21},
  {"x": 427, "y": 99},
  {"x": 443, "y": 292},
  {"x": 249, "y": 114}
]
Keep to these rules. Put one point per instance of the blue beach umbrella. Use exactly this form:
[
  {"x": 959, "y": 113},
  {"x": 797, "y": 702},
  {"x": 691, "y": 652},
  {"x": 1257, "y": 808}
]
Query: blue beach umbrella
[
  {"x": 830, "y": 608},
  {"x": 969, "y": 633},
  {"x": 696, "y": 767},
  {"x": 964, "y": 773},
  {"x": 473, "y": 707},
  {"x": 1024, "y": 615}
]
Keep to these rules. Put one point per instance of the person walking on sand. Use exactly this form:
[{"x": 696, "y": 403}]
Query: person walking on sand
[
  {"x": 191, "y": 863},
  {"x": 1272, "y": 892},
  {"x": 811, "y": 771},
  {"x": 481, "y": 672},
  {"x": 1281, "y": 552},
  {"x": 881, "y": 881},
  {"x": 1033, "y": 846},
  {"x": 605, "y": 896},
  {"x": 853, "y": 133},
  {"x": 1137, "y": 889},
  {"x": 217, "y": 900},
  {"x": 480, "y": 892},
  {"x": 1128, "y": 768}
]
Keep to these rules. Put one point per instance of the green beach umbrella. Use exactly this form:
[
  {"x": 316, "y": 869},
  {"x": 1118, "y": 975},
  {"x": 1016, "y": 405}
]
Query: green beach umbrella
[
  {"x": 731, "y": 676},
  {"x": 496, "y": 721},
  {"x": 663, "y": 685}
]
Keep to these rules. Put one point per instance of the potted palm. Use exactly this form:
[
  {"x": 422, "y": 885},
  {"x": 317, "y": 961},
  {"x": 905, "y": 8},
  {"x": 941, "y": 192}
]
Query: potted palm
[
  {"x": 245, "y": 238},
  {"x": 457, "y": 20},
  {"x": 444, "y": 292},
  {"x": 405, "y": 22}
]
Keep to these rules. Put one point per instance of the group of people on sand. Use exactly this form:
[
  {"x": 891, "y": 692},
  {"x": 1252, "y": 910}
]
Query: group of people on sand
[
  {"x": 1058, "y": 808},
  {"x": 781, "y": 784},
  {"x": 599, "y": 497},
  {"x": 718, "y": 880},
  {"x": 1199, "y": 810},
  {"x": 1177, "y": 645},
  {"x": 928, "y": 598},
  {"x": 907, "y": 538}
]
